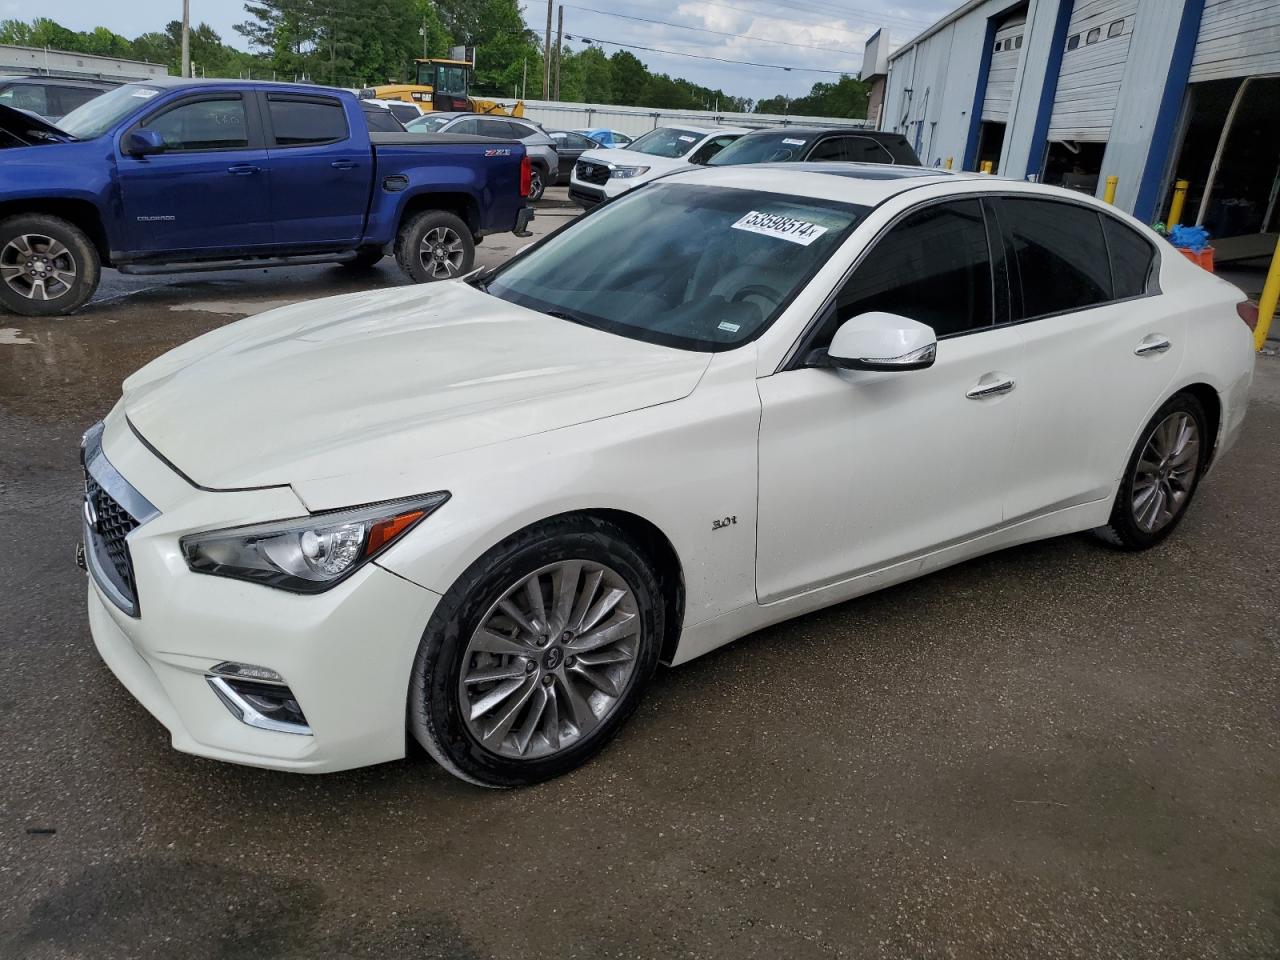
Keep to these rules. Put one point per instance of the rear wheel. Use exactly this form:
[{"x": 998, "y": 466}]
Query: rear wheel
[
  {"x": 538, "y": 654},
  {"x": 537, "y": 183},
  {"x": 435, "y": 245},
  {"x": 1161, "y": 477},
  {"x": 48, "y": 267}
]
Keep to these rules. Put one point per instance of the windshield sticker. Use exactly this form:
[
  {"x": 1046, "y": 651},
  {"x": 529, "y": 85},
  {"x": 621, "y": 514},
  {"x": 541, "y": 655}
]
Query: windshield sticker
[
  {"x": 688, "y": 139},
  {"x": 784, "y": 228},
  {"x": 144, "y": 94},
  {"x": 792, "y": 143},
  {"x": 728, "y": 327}
]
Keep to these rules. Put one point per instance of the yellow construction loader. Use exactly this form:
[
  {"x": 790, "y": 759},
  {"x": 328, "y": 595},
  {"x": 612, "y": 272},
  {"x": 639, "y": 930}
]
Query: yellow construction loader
[{"x": 442, "y": 85}]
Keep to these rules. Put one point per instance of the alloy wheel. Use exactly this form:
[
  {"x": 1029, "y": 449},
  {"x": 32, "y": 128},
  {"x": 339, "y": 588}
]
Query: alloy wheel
[
  {"x": 550, "y": 660},
  {"x": 1166, "y": 472},
  {"x": 441, "y": 253},
  {"x": 535, "y": 184},
  {"x": 37, "y": 267}
]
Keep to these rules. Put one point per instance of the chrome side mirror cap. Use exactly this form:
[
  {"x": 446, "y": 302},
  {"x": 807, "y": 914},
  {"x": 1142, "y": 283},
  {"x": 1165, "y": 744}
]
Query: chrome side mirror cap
[{"x": 883, "y": 341}]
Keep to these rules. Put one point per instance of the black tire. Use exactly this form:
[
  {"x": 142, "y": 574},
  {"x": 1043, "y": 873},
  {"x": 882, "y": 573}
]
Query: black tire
[
  {"x": 434, "y": 708},
  {"x": 1124, "y": 530},
  {"x": 365, "y": 259},
  {"x": 74, "y": 252},
  {"x": 537, "y": 183},
  {"x": 409, "y": 246}
]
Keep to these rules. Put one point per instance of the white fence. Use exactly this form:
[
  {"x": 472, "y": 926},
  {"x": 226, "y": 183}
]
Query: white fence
[
  {"x": 634, "y": 121},
  {"x": 61, "y": 63}
]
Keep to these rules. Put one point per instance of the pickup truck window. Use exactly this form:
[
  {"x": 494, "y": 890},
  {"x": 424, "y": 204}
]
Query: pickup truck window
[
  {"x": 312, "y": 121},
  {"x": 213, "y": 124},
  {"x": 26, "y": 96}
]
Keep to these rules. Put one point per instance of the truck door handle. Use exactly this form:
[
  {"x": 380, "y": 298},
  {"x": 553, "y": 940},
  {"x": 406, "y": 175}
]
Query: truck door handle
[
  {"x": 343, "y": 164},
  {"x": 242, "y": 169},
  {"x": 1152, "y": 343},
  {"x": 991, "y": 385}
]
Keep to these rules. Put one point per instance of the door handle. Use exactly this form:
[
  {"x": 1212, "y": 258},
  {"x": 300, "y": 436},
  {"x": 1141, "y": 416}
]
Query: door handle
[
  {"x": 343, "y": 165},
  {"x": 1152, "y": 343},
  {"x": 992, "y": 385},
  {"x": 242, "y": 169}
]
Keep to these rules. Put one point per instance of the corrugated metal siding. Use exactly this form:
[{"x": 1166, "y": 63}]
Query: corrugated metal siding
[
  {"x": 1003, "y": 72},
  {"x": 1089, "y": 81},
  {"x": 1238, "y": 38}
]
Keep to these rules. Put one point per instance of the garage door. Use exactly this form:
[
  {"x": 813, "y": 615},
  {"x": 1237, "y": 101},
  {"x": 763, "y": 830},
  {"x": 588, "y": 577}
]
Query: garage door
[
  {"x": 1097, "y": 46},
  {"x": 1238, "y": 38},
  {"x": 1004, "y": 69}
]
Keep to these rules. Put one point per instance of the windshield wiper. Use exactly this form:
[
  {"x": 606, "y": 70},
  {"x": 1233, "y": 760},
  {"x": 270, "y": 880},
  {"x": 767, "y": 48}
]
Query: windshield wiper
[
  {"x": 480, "y": 278},
  {"x": 577, "y": 318}
]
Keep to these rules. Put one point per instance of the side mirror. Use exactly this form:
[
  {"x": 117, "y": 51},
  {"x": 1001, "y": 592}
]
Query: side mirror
[
  {"x": 883, "y": 341},
  {"x": 143, "y": 142}
]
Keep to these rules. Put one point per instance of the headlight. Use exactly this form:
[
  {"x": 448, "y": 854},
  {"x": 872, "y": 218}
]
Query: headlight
[
  {"x": 623, "y": 173},
  {"x": 309, "y": 554}
]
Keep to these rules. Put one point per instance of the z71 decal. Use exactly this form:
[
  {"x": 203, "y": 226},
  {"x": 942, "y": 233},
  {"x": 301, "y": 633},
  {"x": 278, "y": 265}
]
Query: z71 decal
[{"x": 497, "y": 153}]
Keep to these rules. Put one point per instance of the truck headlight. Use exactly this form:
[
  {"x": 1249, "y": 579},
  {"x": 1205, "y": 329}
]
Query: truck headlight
[
  {"x": 309, "y": 554},
  {"x": 624, "y": 173}
]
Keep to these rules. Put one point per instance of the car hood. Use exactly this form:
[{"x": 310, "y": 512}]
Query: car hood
[
  {"x": 631, "y": 158},
  {"x": 29, "y": 129},
  {"x": 375, "y": 383}
]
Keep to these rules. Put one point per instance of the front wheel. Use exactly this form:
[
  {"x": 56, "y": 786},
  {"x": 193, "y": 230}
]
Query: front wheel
[
  {"x": 538, "y": 654},
  {"x": 1161, "y": 477},
  {"x": 48, "y": 267},
  {"x": 435, "y": 245}
]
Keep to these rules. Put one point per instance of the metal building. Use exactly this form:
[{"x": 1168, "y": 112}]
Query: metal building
[{"x": 1075, "y": 91}]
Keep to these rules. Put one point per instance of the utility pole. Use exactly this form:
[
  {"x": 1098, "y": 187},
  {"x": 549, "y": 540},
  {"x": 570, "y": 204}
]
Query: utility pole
[
  {"x": 559, "y": 42},
  {"x": 186, "y": 38},
  {"x": 546, "y": 58},
  {"x": 422, "y": 30},
  {"x": 524, "y": 81}
]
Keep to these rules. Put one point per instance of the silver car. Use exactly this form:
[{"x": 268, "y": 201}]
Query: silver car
[{"x": 540, "y": 147}]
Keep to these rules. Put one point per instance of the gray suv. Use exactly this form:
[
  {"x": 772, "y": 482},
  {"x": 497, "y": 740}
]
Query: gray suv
[{"x": 540, "y": 147}]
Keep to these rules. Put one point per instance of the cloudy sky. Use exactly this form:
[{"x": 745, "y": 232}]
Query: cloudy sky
[{"x": 767, "y": 32}]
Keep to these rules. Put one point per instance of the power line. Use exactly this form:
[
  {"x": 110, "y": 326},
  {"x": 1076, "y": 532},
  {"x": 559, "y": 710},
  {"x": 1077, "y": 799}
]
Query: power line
[
  {"x": 698, "y": 56},
  {"x": 718, "y": 33}
]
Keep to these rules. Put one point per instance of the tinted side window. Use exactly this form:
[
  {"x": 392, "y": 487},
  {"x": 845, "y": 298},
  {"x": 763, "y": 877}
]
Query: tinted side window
[
  {"x": 298, "y": 122},
  {"x": 933, "y": 266},
  {"x": 26, "y": 96},
  {"x": 865, "y": 150},
  {"x": 494, "y": 128},
  {"x": 467, "y": 126},
  {"x": 1059, "y": 254},
  {"x": 576, "y": 142},
  {"x": 380, "y": 120},
  {"x": 1131, "y": 259},
  {"x": 828, "y": 149},
  {"x": 68, "y": 98},
  {"x": 203, "y": 125}
]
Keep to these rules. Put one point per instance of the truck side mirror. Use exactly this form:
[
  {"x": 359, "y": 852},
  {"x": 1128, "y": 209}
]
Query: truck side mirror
[{"x": 143, "y": 142}]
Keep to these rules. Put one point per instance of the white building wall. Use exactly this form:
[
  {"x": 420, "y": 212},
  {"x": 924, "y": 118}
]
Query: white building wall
[
  {"x": 1089, "y": 79},
  {"x": 1238, "y": 38},
  {"x": 1004, "y": 71}
]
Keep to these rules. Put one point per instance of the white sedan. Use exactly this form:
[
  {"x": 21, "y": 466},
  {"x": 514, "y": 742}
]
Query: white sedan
[
  {"x": 603, "y": 174},
  {"x": 482, "y": 512}
]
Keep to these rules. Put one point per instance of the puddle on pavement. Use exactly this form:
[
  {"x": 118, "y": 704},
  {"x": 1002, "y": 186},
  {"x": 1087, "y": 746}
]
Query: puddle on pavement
[
  {"x": 11, "y": 335},
  {"x": 243, "y": 308}
]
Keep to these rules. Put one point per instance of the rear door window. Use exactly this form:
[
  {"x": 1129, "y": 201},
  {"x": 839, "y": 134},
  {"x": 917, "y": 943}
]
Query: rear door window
[
  {"x": 299, "y": 122},
  {"x": 1058, "y": 255},
  {"x": 933, "y": 266},
  {"x": 1132, "y": 259},
  {"x": 499, "y": 129}
]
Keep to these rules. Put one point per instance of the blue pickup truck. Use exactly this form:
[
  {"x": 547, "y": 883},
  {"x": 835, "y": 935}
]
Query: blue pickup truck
[{"x": 179, "y": 175}]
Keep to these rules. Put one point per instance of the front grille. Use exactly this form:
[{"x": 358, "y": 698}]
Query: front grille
[
  {"x": 114, "y": 523},
  {"x": 589, "y": 172}
]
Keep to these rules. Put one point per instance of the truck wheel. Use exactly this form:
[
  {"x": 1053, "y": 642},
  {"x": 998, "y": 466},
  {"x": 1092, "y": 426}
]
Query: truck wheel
[
  {"x": 48, "y": 267},
  {"x": 537, "y": 183},
  {"x": 434, "y": 245}
]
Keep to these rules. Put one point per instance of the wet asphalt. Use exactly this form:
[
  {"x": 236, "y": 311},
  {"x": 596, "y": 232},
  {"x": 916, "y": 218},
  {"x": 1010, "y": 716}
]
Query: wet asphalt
[{"x": 1056, "y": 751}]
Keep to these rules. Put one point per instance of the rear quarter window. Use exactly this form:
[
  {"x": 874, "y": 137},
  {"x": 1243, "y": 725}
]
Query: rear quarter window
[{"x": 1132, "y": 259}]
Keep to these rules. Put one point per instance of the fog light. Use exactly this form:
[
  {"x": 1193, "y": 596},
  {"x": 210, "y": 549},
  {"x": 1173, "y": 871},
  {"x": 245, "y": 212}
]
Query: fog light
[
  {"x": 247, "y": 671},
  {"x": 265, "y": 704}
]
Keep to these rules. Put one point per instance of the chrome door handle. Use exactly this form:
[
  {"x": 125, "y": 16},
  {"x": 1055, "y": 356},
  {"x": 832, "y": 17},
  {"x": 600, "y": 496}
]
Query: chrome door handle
[
  {"x": 990, "y": 388},
  {"x": 1152, "y": 343},
  {"x": 343, "y": 165},
  {"x": 242, "y": 169}
]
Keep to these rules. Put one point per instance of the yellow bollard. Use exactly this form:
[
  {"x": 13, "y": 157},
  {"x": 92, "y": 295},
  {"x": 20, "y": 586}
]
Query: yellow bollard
[
  {"x": 986, "y": 166},
  {"x": 1179, "y": 198},
  {"x": 1268, "y": 301},
  {"x": 948, "y": 163},
  {"x": 1109, "y": 195}
]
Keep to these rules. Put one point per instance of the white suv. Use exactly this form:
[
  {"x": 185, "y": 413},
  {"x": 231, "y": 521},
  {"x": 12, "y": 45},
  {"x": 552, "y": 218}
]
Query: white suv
[{"x": 601, "y": 175}]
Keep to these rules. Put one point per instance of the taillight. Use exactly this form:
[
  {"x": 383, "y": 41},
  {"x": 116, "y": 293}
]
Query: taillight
[
  {"x": 526, "y": 180},
  {"x": 1248, "y": 311}
]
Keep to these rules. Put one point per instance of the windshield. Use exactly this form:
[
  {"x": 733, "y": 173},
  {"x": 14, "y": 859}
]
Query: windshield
[
  {"x": 761, "y": 148},
  {"x": 681, "y": 264},
  {"x": 670, "y": 142},
  {"x": 427, "y": 124},
  {"x": 100, "y": 114}
]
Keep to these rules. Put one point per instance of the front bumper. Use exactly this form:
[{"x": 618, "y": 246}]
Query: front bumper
[{"x": 346, "y": 654}]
